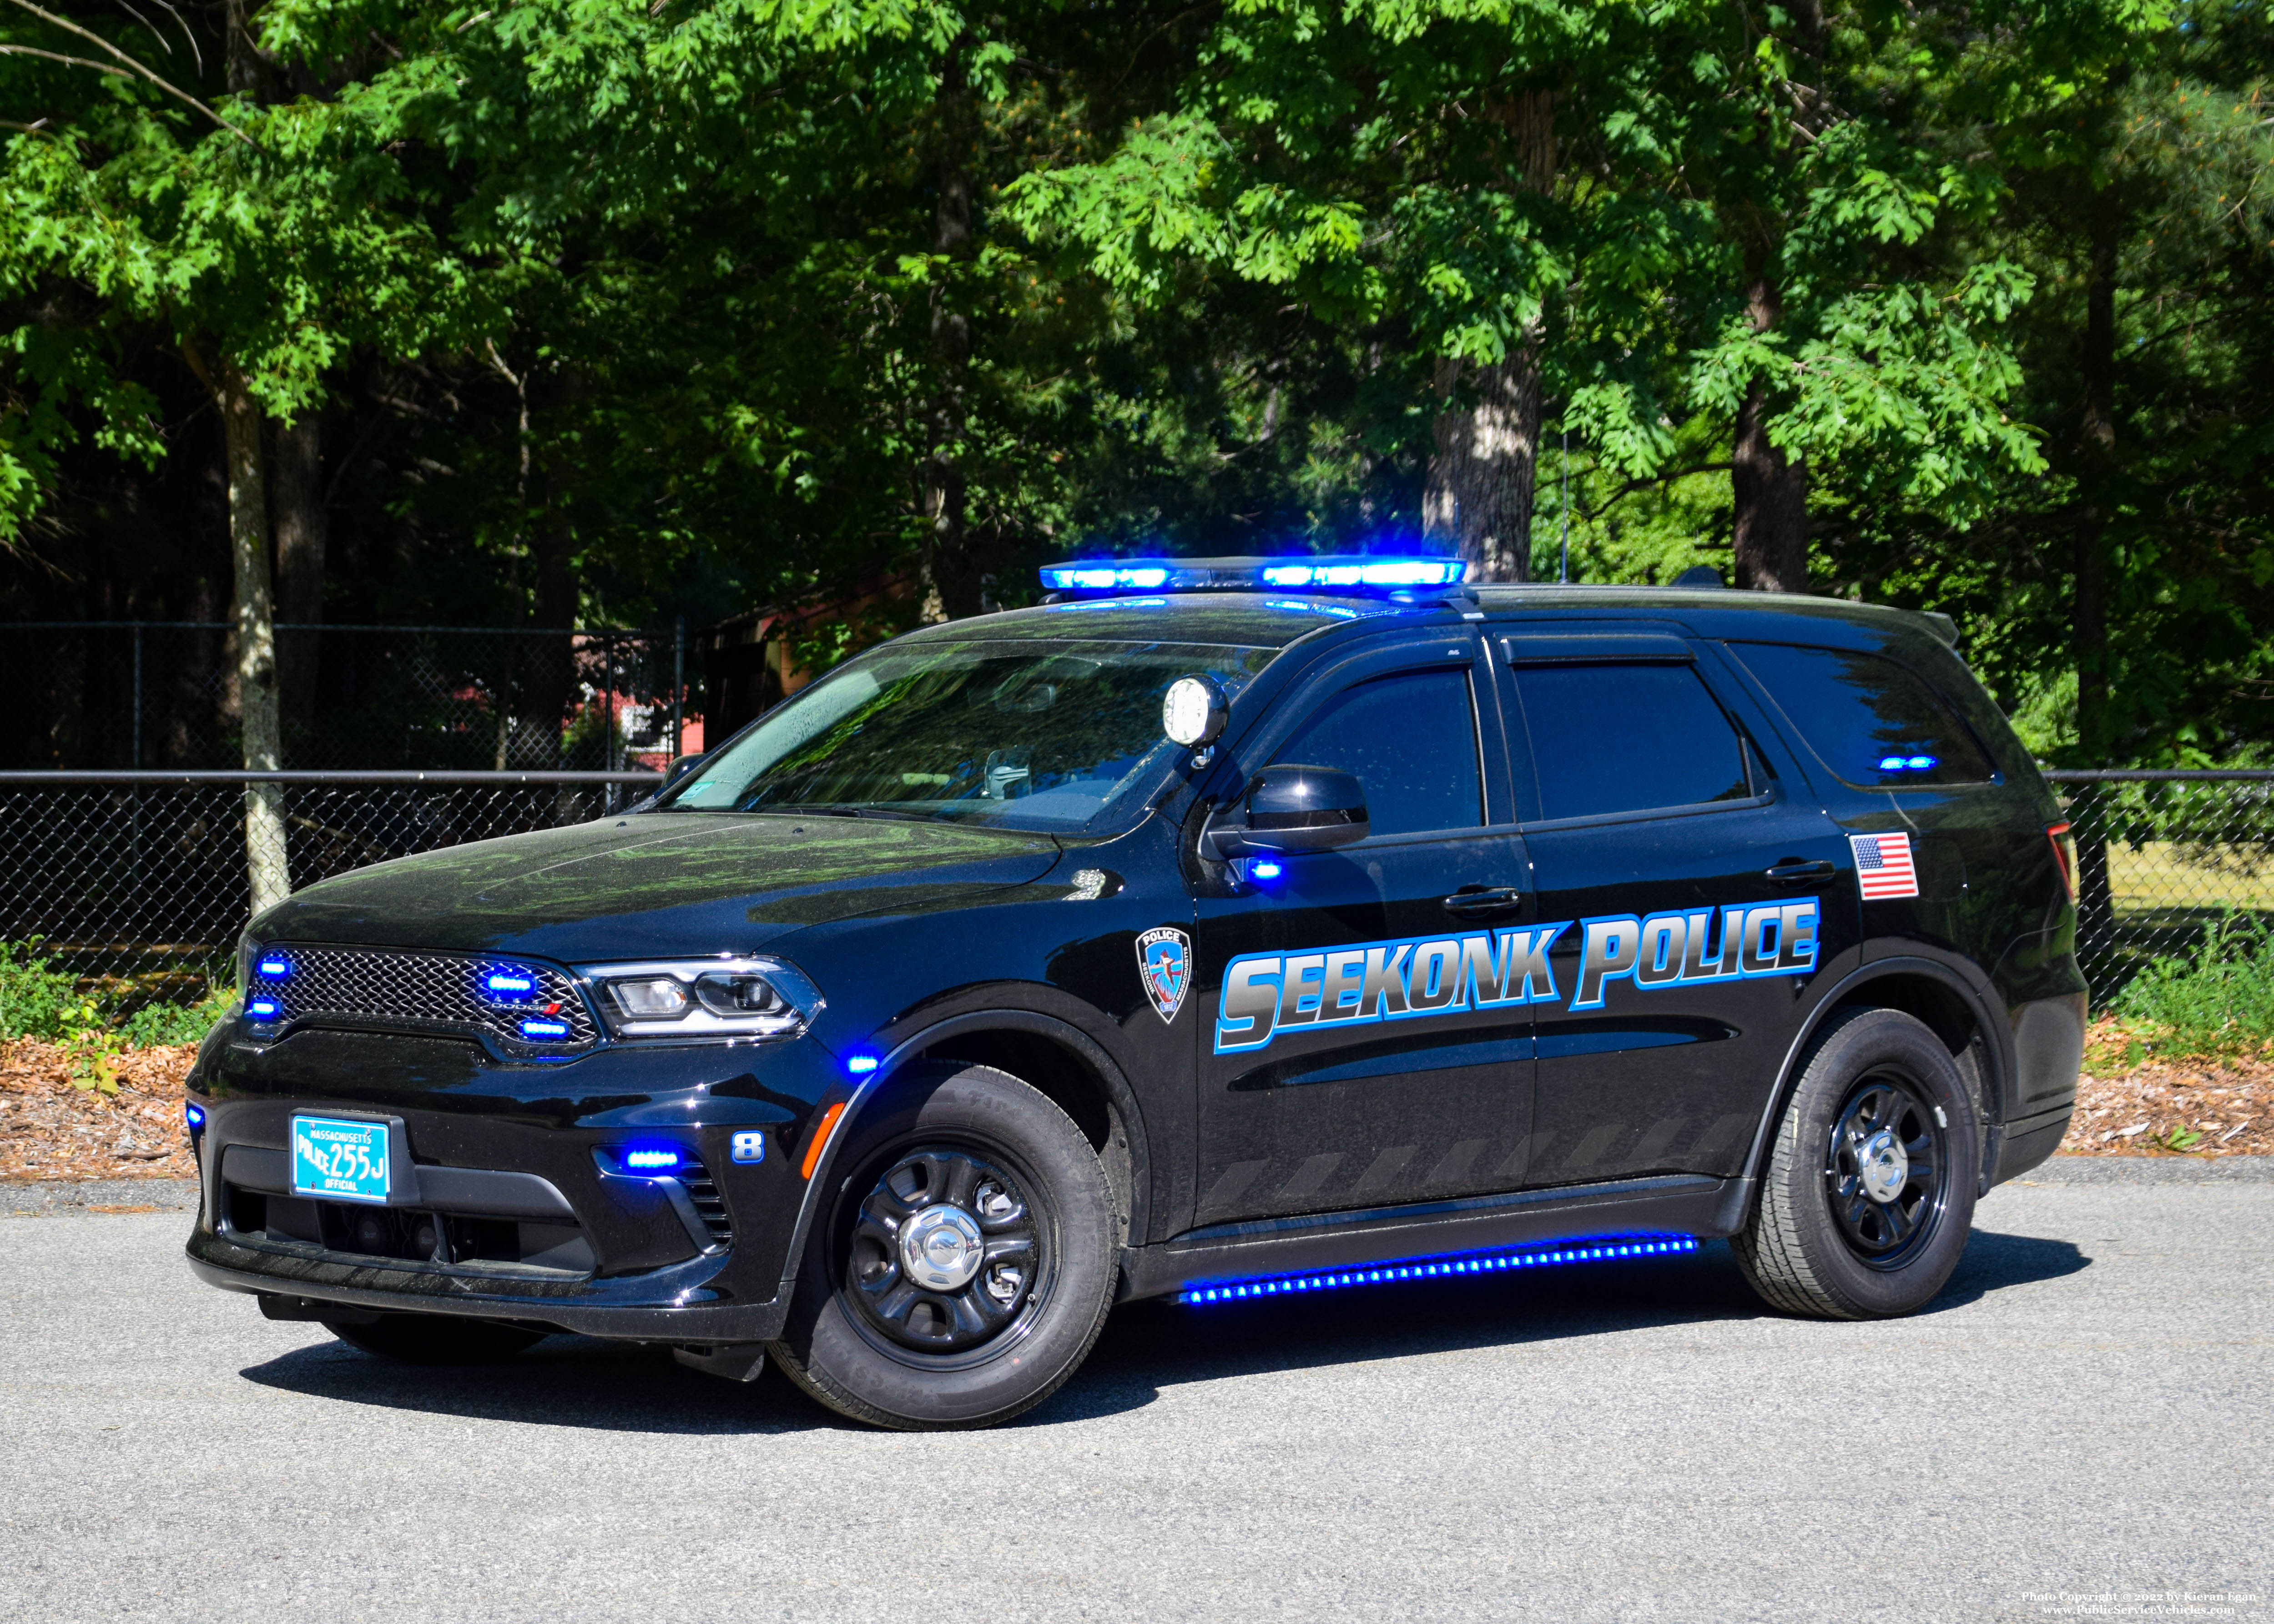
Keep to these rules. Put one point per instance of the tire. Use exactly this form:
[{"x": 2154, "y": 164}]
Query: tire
[
  {"x": 1826, "y": 1239},
  {"x": 885, "y": 1326},
  {"x": 437, "y": 1339}
]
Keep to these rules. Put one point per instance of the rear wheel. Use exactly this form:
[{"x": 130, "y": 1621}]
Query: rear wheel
[
  {"x": 1870, "y": 1189},
  {"x": 437, "y": 1339},
  {"x": 961, "y": 1266}
]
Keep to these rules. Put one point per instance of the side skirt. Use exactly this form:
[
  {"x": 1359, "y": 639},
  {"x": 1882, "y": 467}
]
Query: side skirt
[{"x": 1681, "y": 1204}]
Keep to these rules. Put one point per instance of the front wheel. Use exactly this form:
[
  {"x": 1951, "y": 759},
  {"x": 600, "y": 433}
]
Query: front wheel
[
  {"x": 1870, "y": 1190},
  {"x": 962, "y": 1265}
]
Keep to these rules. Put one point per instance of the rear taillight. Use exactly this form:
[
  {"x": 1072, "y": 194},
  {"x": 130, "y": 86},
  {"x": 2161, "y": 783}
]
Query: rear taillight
[{"x": 2064, "y": 856}]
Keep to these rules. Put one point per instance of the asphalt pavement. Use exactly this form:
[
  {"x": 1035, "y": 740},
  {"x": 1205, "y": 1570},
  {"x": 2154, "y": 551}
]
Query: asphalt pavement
[{"x": 2080, "y": 1427}]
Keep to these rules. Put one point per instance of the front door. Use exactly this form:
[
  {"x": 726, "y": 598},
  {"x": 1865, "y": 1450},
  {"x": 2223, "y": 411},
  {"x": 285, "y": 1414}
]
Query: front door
[
  {"x": 1701, "y": 897},
  {"x": 1367, "y": 1037}
]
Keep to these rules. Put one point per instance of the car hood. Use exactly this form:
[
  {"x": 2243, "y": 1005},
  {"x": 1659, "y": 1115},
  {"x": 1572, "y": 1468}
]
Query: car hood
[{"x": 657, "y": 884}]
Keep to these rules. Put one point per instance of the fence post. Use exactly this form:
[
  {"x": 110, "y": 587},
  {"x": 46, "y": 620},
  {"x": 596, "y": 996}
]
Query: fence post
[{"x": 678, "y": 688}]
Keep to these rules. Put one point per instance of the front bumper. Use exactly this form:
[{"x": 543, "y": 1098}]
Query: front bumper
[
  {"x": 511, "y": 1180},
  {"x": 662, "y": 1306}
]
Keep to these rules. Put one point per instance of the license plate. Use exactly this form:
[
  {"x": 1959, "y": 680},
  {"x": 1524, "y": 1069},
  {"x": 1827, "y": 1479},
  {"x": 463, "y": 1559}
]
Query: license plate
[{"x": 343, "y": 1161}]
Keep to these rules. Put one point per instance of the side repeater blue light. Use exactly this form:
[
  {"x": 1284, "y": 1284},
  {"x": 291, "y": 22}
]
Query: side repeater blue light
[
  {"x": 275, "y": 969},
  {"x": 651, "y": 1159},
  {"x": 860, "y": 1065},
  {"x": 1264, "y": 868},
  {"x": 194, "y": 1114},
  {"x": 543, "y": 1030},
  {"x": 1430, "y": 1268},
  {"x": 1907, "y": 763}
]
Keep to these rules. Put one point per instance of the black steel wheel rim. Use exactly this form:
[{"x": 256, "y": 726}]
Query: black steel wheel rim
[
  {"x": 948, "y": 1257},
  {"x": 1885, "y": 1170}
]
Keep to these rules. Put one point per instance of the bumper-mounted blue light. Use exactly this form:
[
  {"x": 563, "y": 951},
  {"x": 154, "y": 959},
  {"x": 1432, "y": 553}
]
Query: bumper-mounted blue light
[
  {"x": 1604, "y": 1249},
  {"x": 651, "y": 1159}
]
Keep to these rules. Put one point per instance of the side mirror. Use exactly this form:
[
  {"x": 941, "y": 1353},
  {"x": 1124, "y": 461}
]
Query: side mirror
[
  {"x": 681, "y": 766},
  {"x": 1292, "y": 807}
]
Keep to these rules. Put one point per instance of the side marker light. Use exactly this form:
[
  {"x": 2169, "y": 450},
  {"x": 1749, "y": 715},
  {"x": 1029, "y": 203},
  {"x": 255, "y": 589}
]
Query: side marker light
[
  {"x": 860, "y": 1065},
  {"x": 821, "y": 1138}
]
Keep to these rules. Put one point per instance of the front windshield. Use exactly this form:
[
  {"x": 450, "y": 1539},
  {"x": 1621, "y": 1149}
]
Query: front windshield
[{"x": 1039, "y": 735}]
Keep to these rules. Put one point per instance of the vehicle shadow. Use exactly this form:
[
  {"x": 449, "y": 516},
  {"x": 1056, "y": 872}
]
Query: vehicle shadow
[{"x": 1146, "y": 1348}]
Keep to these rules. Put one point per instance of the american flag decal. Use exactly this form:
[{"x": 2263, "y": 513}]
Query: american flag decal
[{"x": 1883, "y": 866}]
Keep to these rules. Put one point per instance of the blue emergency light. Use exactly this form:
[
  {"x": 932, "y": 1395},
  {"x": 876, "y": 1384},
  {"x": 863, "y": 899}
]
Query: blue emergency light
[{"x": 1339, "y": 573}]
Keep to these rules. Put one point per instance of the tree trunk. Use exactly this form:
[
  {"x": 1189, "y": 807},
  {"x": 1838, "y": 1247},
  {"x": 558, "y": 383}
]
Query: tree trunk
[
  {"x": 947, "y": 574},
  {"x": 295, "y": 492},
  {"x": 1479, "y": 496},
  {"x": 1770, "y": 536},
  {"x": 1484, "y": 466},
  {"x": 254, "y": 614}
]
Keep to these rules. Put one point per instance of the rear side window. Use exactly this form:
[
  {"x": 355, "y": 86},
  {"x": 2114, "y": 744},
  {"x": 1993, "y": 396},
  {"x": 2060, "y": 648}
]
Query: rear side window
[
  {"x": 1411, "y": 740},
  {"x": 1874, "y": 722},
  {"x": 1612, "y": 738}
]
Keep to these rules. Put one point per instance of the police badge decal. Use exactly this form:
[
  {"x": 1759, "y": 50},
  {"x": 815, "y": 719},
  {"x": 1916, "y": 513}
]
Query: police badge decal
[{"x": 1164, "y": 964}]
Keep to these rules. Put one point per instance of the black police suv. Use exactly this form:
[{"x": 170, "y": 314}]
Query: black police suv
[{"x": 1222, "y": 928}]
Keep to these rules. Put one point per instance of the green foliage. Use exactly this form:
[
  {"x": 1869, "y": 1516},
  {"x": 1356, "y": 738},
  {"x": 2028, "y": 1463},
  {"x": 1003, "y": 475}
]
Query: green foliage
[
  {"x": 158, "y": 1025},
  {"x": 2218, "y": 1000},
  {"x": 36, "y": 1000}
]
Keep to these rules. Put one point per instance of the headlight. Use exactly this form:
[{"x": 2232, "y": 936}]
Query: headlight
[{"x": 699, "y": 998}]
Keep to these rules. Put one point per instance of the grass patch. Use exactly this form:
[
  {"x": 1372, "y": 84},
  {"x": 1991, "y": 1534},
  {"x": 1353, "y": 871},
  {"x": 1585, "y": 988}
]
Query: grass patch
[
  {"x": 39, "y": 1000},
  {"x": 2218, "y": 1000}
]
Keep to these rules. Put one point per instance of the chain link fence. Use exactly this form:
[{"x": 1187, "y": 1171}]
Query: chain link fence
[
  {"x": 132, "y": 694},
  {"x": 136, "y": 882},
  {"x": 2160, "y": 856}
]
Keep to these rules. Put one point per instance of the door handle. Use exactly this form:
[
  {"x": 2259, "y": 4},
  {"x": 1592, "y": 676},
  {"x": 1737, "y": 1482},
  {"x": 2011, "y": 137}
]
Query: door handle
[
  {"x": 1793, "y": 870},
  {"x": 1480, "y": 902}
]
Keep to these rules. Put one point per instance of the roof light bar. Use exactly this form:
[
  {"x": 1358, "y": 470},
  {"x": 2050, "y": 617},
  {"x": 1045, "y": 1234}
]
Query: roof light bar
[
  {"x": 1607, "y": 1248},
  {"x": 1340, "y": 573}
]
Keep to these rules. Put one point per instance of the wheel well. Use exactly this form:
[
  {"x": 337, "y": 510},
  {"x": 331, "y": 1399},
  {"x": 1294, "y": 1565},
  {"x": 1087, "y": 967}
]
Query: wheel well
[
  {"x": 1943, "y": 1012},
  {"x": 1048, "y": 1067},
  {"x": 1064, "y": 1077}
]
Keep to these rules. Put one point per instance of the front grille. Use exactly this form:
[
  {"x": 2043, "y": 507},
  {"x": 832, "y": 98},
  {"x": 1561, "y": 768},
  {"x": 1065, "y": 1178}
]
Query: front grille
[
  {"x": 709, "y": 1204},
  {"x": 389, "y": 990}
]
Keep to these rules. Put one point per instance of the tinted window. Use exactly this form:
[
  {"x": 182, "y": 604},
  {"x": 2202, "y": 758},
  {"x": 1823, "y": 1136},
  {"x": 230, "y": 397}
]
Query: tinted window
[
  {"x": 1411, "y": 739},
  {"x": 1626, "y": 738},
  {"x": 1872, "y": 721}
]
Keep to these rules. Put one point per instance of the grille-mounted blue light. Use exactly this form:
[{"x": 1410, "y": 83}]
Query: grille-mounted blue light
[
  {"x": 1596, "y": 1251},
  {"x": 509, "y": 986},
  {"x": 275, "y": 969},
  {"x": 1341, "y": 573},
  {"x": 860, "y": 1065},
  {"x": 1905, "y": 764},
  {"x": 544, "y": 1031},
  {"x": 651, "y": 1159},
  {"x": 261, "y": 1009}
]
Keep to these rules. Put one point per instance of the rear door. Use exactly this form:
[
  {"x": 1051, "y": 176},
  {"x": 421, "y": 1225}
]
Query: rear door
[
  {"x": 1701, "y": 893},
  {"x": 1361, "y": 1048}
]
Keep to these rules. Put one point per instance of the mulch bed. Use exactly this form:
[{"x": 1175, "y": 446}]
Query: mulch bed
[{"x": 51, "y": 1130}]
